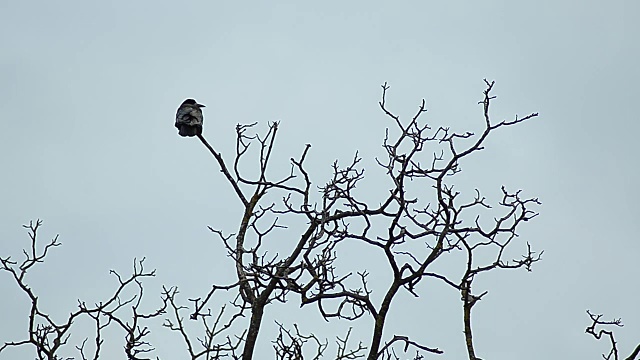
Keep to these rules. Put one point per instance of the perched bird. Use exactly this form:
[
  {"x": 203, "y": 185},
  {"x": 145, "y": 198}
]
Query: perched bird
[{"x": 189, "y": 118}]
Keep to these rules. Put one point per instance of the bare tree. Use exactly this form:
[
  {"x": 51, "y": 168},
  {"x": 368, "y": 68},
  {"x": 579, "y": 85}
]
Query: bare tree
[
  {"x": 421, "y": 220},
  {"x": 309, "y": 271},
  {"x": 49, "y": 337}
]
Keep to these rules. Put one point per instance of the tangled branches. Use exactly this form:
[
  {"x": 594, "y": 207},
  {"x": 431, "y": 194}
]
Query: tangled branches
[
  {"x": 50, "y": 337},
  {"x": 309, "y": 268},
  {"x": 419, "y": 221}
]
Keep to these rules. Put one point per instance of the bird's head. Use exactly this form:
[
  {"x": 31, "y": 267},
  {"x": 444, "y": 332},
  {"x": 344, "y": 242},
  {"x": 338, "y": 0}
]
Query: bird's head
[{"x": 192, "y": 102}]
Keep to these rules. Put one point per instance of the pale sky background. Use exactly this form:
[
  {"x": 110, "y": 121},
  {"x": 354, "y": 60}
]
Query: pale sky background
[{"x": 88, "y": 93}]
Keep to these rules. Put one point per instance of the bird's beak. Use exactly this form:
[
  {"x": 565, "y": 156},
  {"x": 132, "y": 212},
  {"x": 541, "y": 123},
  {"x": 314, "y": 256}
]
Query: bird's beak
[{"x": 200, "y": 105}]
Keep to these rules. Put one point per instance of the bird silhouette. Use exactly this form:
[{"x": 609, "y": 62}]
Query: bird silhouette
[{"x": 189, "y": 118}]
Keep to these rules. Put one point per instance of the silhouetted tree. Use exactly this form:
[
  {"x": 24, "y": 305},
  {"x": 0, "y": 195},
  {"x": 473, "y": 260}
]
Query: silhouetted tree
[
  {"x": 421, "y": 220},
  {"x": 48, "y": 336}
]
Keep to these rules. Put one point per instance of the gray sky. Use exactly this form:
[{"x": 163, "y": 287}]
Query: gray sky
[{"x": 88, "y": 93}]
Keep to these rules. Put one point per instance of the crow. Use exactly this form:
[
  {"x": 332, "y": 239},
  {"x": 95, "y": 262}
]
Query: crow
[{"x": 189, "y": 118}]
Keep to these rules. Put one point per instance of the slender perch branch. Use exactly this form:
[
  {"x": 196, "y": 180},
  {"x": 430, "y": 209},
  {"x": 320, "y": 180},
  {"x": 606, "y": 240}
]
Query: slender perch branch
[{"x": 224, "y": 170}]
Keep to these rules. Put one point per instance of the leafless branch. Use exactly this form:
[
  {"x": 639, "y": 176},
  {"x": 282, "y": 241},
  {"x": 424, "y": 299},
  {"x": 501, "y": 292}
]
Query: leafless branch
[
  {"x": 49, "y": 337},
  {"x": 596, "y": 321}
]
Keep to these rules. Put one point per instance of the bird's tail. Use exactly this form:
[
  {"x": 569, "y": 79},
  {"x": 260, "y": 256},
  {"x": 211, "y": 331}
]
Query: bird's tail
[{"x": 186, "y": 130}]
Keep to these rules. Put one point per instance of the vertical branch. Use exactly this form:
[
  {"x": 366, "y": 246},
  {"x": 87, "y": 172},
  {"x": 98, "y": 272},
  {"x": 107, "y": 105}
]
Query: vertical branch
[{"x": 468, "y": 301}]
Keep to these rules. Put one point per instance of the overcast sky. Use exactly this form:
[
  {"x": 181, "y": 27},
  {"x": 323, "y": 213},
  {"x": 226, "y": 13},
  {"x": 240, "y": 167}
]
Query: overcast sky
[{"x": 88, "y": 93}]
